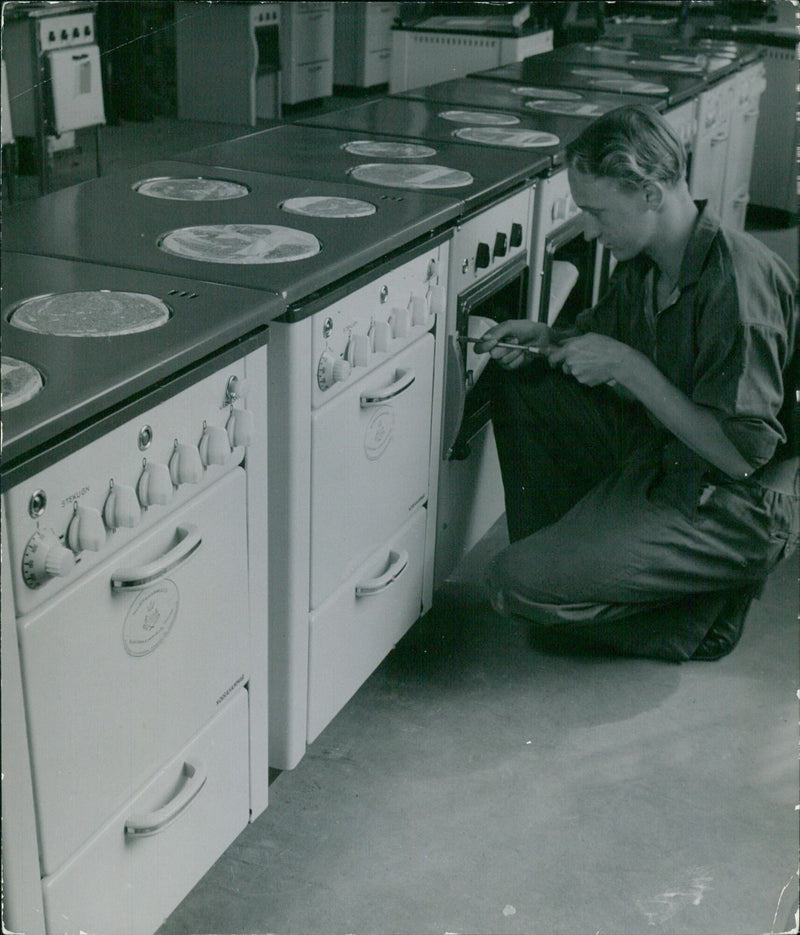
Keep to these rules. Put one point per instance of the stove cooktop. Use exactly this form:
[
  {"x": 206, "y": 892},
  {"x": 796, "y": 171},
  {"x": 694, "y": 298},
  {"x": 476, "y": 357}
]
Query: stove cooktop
[
  {"x": 548, "y": 70},
  {"x": 289, "y": 237},
  {"x": 417, "y": 119},
  {"x": 314, "y": 152},
  {"x": 90, "y": 383}
]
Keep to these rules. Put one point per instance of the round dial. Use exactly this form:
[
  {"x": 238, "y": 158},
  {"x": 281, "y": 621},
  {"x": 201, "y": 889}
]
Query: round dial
[
  {"x": 45, "y": 558},
  {"x": 331, "y": 370}
]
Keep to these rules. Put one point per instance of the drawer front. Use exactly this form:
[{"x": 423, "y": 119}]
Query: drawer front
[
  {"x": 307, "y": 82},
  {"x": 312, "y": 32},
  {"x": 117, "y": 680},
  {"x": 369, "y": 464},
  {"x": 352, "y": 632},
  {"x": 379, "y": 19},
  {"x": 377, "y": 66},
  {"x": 123, "y": 882}
]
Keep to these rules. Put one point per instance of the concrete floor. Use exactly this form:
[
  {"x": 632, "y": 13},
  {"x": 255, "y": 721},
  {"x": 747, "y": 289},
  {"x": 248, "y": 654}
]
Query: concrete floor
[{"x": 479, "y": 784}]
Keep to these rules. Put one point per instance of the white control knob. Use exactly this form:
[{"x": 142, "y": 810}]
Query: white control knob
[
  {"x": 86, "y": 531},
  {"x": 331, "y": 369},
  {"x": 44, "y": 558},
  {"x": 437, "y": 300},
  {"x": 214, "y": 447},
  {"x": 237, "y": 388},
  {"x": 155, "y": 485},
  {"x": 381, "y": 336},
  {"x": 419, "y": 309},
  {"x": 401, "y": 322},
  {"x": 241, "y": 428},
  {"x": 359, "y": 350},
  {"x": 121, "y": 508},
  {"x": 185, "y": 466}
]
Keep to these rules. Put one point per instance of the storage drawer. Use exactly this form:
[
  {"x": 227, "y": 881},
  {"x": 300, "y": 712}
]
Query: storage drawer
[
  {"x": 311, "y": 32},
  {"x": 351, "y": 633},
  {"x": 309, "y": 81},
  {"x": 378, "y": 26},
  {"x": 128, "y": 883},
  {"x": 377, "y": 66}
]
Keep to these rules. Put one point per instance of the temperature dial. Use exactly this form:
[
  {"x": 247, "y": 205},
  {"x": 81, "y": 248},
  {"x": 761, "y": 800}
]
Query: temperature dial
[
  {"x": 45, "y": 558},
  {"x": 331, "y": 370},
  {"x": 86, "y": 530}
]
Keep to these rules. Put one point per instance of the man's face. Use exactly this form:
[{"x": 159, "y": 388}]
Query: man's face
[{"x": 620, "y": 218}]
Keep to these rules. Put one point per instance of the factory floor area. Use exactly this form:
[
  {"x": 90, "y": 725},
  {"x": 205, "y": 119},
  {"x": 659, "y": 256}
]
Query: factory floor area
[{"x": 479, "y": 783}]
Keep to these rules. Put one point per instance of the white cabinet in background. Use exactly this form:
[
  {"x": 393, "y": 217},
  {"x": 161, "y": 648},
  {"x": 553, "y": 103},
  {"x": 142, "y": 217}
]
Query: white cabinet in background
[
  {"x": 363, "y": 43},
  {"x": 306, "y": 51}
]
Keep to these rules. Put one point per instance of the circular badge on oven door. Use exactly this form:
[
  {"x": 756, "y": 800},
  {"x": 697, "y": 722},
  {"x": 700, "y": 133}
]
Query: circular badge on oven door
[
  {"x": 394, "y": 175},
  {"x": 324, "y": 206},
  {"x": 191, "y": 189},
  {"x": 480, "y": 118},
  {"x": 21, "y": 381},
  {"x": 547, "y": 94},
  {"x": 384, "y": 149},
  {"x": 150, "y": 618},
  {"x": 514, "y": 137},
  {"x": 378, "y": 433},
  {"x": 242, "y": 244},
  {"x": 100, "y": 314}
]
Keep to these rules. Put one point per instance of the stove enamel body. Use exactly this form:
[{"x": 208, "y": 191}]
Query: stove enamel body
[
  {"x": 416, "y": 119},
  {"x": 84, "y": 222},
  {"x": 318, "y": 153}
]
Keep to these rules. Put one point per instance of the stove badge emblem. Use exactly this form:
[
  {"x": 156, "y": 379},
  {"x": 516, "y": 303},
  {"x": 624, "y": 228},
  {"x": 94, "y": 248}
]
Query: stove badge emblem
[
  {"x": 150, "y": 618},
  {"x": 379, "y": 432}
]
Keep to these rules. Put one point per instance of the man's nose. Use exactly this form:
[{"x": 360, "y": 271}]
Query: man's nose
[{"x": 591, "y": 229}]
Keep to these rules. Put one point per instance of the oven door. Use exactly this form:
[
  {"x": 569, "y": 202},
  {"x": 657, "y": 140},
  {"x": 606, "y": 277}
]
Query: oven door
[
  {"x": 76, "y": 89},
  {"x": 574, "y": 274}
]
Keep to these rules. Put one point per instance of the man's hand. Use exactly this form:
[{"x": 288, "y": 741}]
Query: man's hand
[
  {"x": 592, "y": 359},
  {"x": 517, "y": 331}
]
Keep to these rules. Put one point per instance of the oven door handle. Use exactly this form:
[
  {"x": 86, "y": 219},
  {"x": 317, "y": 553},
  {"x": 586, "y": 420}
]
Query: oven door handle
[
  {"x": 147, "y": 823},
  {"x": 405, "y": 378},
  {"x": 397, "y": 565},
  {"x": 133, "y": 579}
]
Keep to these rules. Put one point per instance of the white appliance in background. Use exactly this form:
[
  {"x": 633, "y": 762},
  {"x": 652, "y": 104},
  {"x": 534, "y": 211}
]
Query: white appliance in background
[
  {"x": 355, "y": 402},
  {"x": 307, "y": 51},
  {"x": 133, "y": 563},
  {"x": 749, "y": 85},
  {"x": 715, "y": 110},
  {"x": 363, "y": 43},
  {"x": 488, "y": 282},
  {"x": 228, "y": 61}
]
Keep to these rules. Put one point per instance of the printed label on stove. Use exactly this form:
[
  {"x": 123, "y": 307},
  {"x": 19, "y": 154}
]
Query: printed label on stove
[
  {"x": 379, "y": 433},
  {"x": 150, "y": 618}
]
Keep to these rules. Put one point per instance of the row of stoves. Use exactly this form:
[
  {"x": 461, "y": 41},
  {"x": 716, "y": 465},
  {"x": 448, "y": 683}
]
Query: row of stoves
[{"x": 208, "y": 555}]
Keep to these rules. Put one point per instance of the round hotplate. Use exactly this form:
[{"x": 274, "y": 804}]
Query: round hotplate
[
  {"x": 100, "y": 314},
  {"x": 242, "y": 244},
  {"x": 197, "y": 189},
  {"x": 502, "y": 136},
  {"x": 21, "y": 381},
  {"x": 611, "y": 74},
  {"x": 478, "y": 118},
  {"x": 571, "y": 108},
  {"x": 403, "y": 176},
  {"x": 547, "y": 94},
  {"x": 381, "y": 149},
  {"x": 632, "y": 85},
  {"x": 323, "y": 206}
]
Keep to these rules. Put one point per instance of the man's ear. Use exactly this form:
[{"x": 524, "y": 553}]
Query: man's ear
[{"x": 653, "y": 194}]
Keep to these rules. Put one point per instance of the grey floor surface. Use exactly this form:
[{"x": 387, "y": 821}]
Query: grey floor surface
[{"x": 477, "y": 784}]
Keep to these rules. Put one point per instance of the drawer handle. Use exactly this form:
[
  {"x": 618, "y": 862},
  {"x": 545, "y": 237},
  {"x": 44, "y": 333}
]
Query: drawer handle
[
  {"x": 397, "y": 565},
  {"x": 152, "y": 822},
  {"x": 374, "y": 398},
  {"x": 719, "y": 137},
  {"x": 132, "y": 579}
]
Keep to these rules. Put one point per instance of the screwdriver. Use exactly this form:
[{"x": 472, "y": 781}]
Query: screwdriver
[{"x": 530, "y": 348}]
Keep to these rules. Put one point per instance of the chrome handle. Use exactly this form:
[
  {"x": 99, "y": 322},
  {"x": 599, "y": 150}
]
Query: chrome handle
[
  {"x": 397, "y": 565},
  {"x": 374, "y": 398},
  {"x": 132, "y": 579},
  {"x": 149, "y": 823}
]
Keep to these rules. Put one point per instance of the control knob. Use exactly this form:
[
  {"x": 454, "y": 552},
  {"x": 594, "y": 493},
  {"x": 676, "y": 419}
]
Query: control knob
[
  {"x": 185, "y": 466},
  {"x": 44, "y": 558},
  {"x": 121, "y": 508},
  {"x": 86, "y": 531},
  {"x": 359, "y": 350},
  {"x": 482, "y": 256},
  {"x": 419, "y": 309},
  {"x": 381, "y": 336},
  {"x": 155, "y": 485},
  {"x": 331, "y": 370},
  {"x": 500, "y": 244},
  {"x": 516, "y": 234},
  {"x": 215, "y": 446},
  {"x": 240, "y": 428},
  {"x": 401, "y": 322},
  {"x": 437, "y": 299}
]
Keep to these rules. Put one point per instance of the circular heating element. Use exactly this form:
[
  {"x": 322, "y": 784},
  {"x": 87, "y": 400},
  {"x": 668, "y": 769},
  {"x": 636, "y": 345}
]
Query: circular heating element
[
  {"x": 241, "y": 244},
  {"x": 633, "y": 85},
  {"x": 323, "y": 206},
  {"x": 20, "y": 382},
  {"x": 197, "y": 189},
  {"x": 610, "y": 73},
  {"x": 480, "y": 118},
  {"x": 393, "y": 175},
  {"x": 100, "y": 314},
  {"x": 547, "y": 94},
  {"x": 572, "y": 108},
  {"x": 500, "y": 136},
  {"x": 378, "y": 149}
]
